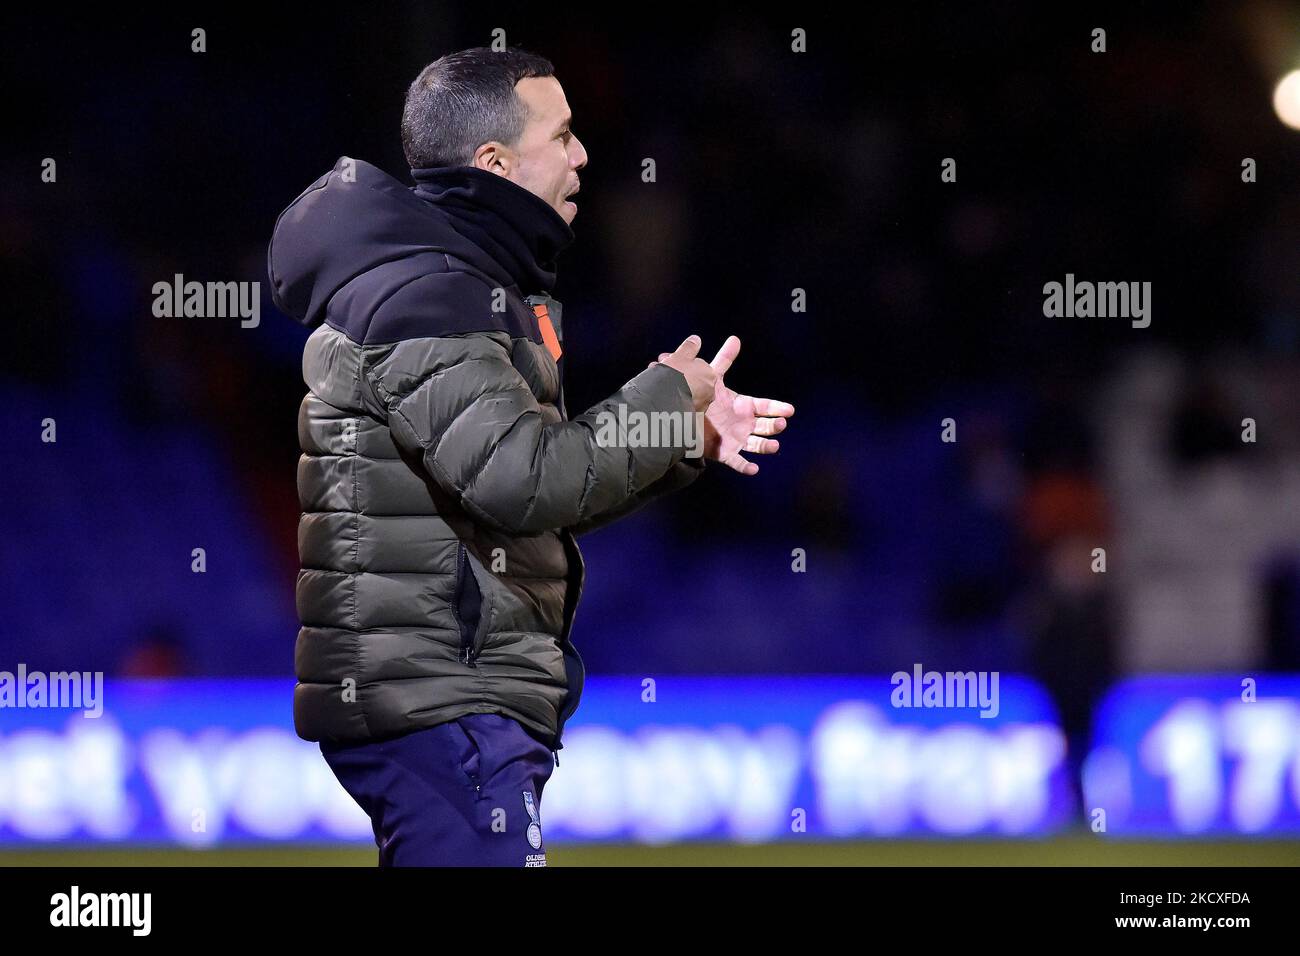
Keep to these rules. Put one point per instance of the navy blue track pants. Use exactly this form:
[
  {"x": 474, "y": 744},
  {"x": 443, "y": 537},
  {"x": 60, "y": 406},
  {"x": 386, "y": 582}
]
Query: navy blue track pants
[{"x": 467, "y": 792}]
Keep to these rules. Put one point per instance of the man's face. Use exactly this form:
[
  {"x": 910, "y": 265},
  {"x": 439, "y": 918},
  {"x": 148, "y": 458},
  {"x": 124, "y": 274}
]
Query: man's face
[{"x": 548, "y": 156}]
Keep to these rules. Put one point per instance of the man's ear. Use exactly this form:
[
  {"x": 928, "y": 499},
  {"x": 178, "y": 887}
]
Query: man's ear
[{"x": 493, "y": 157}]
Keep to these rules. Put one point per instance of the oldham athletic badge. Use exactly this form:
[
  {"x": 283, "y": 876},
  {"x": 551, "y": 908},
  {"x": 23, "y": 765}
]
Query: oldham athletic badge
[{"x": 534, "y": 828}]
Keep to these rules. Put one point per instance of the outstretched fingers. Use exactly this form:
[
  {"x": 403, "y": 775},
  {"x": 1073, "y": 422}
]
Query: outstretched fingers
[
  {"x": 769, "y": 426},
  {"x": 742, "y": 465},
  {"x": 770, "y": 408},
  {"x": 726, "y": 355}
]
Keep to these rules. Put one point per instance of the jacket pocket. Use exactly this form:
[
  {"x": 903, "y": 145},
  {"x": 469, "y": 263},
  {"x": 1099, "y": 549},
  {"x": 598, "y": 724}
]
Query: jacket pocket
[
  {"x": 468, "y": 605},
  {"x": 469, "y": 756}
]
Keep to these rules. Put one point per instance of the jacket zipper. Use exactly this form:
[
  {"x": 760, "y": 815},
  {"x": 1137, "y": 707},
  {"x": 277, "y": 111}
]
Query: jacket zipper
[
  {"x": 570, "y": 704},
  {"x": 466, "y": 643}
]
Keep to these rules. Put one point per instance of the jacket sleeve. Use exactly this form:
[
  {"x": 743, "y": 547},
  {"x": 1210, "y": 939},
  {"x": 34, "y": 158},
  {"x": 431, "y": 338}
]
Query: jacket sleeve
[
  {"x": 460, "y": 405},
  {"x": 678, "y": 477}
]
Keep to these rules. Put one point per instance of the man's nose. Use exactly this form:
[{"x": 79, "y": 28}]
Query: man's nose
[{"x": 582, "y": 154}]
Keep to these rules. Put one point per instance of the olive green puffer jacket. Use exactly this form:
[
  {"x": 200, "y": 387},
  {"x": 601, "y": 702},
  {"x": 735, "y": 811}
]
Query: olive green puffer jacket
[{"x": 440, "y": 481}]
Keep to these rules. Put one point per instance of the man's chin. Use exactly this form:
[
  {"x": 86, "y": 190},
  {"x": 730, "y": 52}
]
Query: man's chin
[{"x": 568, "y": 209}]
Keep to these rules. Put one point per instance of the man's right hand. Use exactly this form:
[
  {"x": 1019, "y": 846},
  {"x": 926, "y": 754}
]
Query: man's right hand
[{"x": 700, "y": 375}]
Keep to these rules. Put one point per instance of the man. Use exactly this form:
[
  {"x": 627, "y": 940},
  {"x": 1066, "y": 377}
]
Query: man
[{"x": 441, "y": 481}]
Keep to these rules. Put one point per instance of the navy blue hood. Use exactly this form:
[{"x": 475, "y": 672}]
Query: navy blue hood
[{"x": 356, "y": 218}]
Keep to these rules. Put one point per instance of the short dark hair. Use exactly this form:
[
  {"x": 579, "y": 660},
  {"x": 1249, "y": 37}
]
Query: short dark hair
[{"x": 465, "y": 99}]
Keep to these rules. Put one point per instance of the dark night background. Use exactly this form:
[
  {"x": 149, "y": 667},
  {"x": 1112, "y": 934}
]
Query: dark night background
[{"x": 776, "y": 170}]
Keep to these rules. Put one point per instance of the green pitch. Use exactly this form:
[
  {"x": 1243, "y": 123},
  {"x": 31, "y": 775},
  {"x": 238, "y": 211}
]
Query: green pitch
[{"x": 1075, "y": 850}]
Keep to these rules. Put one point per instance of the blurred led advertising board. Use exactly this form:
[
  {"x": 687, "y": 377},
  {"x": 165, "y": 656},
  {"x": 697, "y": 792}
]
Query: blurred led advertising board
[
  {"x": 1202, "y": 756},
  {"x": 201, "y": 762}
]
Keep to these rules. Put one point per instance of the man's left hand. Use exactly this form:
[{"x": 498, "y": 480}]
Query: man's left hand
[{"x": 734, "y": 423}]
